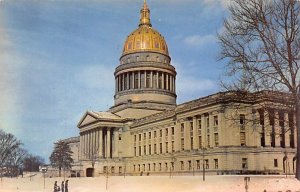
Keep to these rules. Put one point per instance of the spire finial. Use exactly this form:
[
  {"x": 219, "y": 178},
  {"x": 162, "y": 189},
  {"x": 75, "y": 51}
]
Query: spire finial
[{"x": 145, "y": 15}]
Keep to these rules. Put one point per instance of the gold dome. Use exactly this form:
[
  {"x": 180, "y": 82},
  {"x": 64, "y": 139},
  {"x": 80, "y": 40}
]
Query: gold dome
[{"x": 145, "y": 38}]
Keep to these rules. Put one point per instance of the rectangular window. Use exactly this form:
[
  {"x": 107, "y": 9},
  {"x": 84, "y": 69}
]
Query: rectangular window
[
  {"x": 142, "y": 79},
  {"x": 136, "y": 80},
  {"x": 166, "y": 166},
  {"x": 199, "y": 124},
  {"x": 191, "y": 126},
  {"x": 192, "y": 143},
  {"x": 182, "y": 127},
  {"x": 190, "y": 165},
  {"x": 242, "y": 119},
  {"x": 167, "y": 132},
  {"x": 134, "y": 151},
  {"x": 182, "y": 144},
  {"x": 206, "y": 164},
  {"x": 198, "y": 164},
  {"x": 134, "y": 168},
  {"x": 200, "y": 142},
  {"x": 149, "y": 135},
  {"x": 144, "y": 136},
  {"x": 167, "y": 151},
  {"x": 208, "y": 141},
  {"x": 149, "y": 149},
  {"x": 140, "y": 150},
  {"x": 120, "y": 137},
  {"x": 243, "y": 138},
  {"x": 154, "y": 134},
  {"x": 173, "y": 132},
  {"x": 181, "y": 165},
  {"x": 147, "y": 80},
  {"x": 154, "y": 148},
  {"x": 216, "y": 120},
  {"x": 159, "y": 166},
  {"x": 145, "y": 150},
  {"x": 160, "y": 148},
  {"x": 154, "y": 166},
  {"x": 173, "y": 148},
  {"x": 216, "y": 163},
  {"x": 207, "y": 121},
  {"x": 104, "y": 169},
  {"x": 244, "y": 163},
  {"x": 112, "y": 169},
  {"x": 160, "y": 133},
  {"x": 134, "y": 138},
  {"x": 216, "y": 139},
  {"x": 120, "y": 169},
  {"x": 275, "y": 163},
  {"x": 140, "y": 137},
  {"x": 149, "y": 167}
]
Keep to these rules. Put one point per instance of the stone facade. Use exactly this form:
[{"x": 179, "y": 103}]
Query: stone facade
[{"x": 145, "y": 132}]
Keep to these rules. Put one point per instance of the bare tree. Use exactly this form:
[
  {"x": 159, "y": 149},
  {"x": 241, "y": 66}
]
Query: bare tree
[
  {"x": 261, "y": 42},
  {"x": 61, "y": 157},
  {"x": 8, "y": 145}
]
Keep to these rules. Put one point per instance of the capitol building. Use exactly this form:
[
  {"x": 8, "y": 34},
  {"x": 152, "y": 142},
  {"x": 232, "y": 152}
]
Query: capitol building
[{"x": 146, "y": 132}]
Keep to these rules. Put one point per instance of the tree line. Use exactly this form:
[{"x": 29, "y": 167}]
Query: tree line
[{"x": 14, "y": 158}]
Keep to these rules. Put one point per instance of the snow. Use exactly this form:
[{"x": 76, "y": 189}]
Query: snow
[{"x": 223, "y": 183}]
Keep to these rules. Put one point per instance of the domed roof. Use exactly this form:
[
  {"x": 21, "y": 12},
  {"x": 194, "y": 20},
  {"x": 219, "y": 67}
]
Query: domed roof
[{"x": 145, "y": 38}]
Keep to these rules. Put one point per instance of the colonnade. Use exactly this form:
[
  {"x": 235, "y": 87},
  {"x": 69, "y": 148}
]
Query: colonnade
[
  {"x": 99, "y": 143},
  {"x": 145, "y": 79},
  {"x": 278, "y": 129}
]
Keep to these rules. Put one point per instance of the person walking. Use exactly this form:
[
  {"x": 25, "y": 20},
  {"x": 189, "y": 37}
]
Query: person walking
[
  {"x": 55, "y": 186},
  {"x": 62, "y": 186},
  {"x": 66, "y": 186}
]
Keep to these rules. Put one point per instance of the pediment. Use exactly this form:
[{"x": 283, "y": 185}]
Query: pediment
[{"x": 87, "y": 119}]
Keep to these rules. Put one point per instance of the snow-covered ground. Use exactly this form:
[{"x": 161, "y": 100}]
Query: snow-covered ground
[{"x": 155, "y": 183}]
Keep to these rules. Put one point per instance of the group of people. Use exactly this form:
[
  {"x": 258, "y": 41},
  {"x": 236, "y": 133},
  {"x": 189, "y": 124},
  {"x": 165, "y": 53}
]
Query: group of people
[{"x": 64, "y": 186}]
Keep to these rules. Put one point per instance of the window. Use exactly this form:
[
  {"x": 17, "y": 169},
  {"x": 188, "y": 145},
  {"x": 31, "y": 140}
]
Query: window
[
  {"x": 149, "y": 167},
  {"x": 120, "y": 137},
  {"x": 182, "y": 144},
  {"x": 147, "y": 80},
  {"x": 216, "y": 139},
  {"x": 159, "y": 166},
  {"x": 104, "y": 169},
  {"x": 216, "y": 120},
  {"x": 160, "y": 133},
  {"x": 134, "y": 151},
  {"x": 166, "y": 166},
  {"x": 149, "y": 135},
  {"x": 134, "y": 168},
  {"x": 208, "y": 141},
  {"x": 216, "y": 163},
  {"x": 206, "y": 164},
  {"x": 144, "y": 149},
  {"x": 160, "y": 148},
  {"x": 154, "y": 134},
  {"x": 181, "y": 165},
  {"x": 242, "y": 119},
  {"x": 173, "y": 149},
  {"x": 154, "y": 148},
  {"x": 207, "y": 121},
  {"x": 137, "y": 58},
  {"x": 139, "y": 167},
  {"x": 243, "y": 138},
  {"x": 148, "y": 58},
  {"x": 275, "y": 163},
  {"x": 144, "y": 167},
  {"x": 172, "y": 129},
  {"x": 134, "y": 138},
  {"x": 140, "y": 137},
  {"x": 149, "y": 149},
  {"x": 154, "y": 166},
  {"x": 167, "y": 151},
  {"x": 120, "y": 169},
  {"x": 144, "y": 136},
  {"x": 154, "y": 80},
  {"x": 140, "y": 150},
  {"x": 192, "y": 143},
  {"x": 191, "y": 126},
  {"x": 159, "y": 80},
  {"x": 190, "y": 165},
  {"x": 199, "y": 125},
  {"x": 198, "y": 164},
  {"x": 200, "y": 142},
  {"x": 142, "y": 79},
  {"x": 112, "y": 169},
  {"x": 244, "y": 163},
  {"x": 167, "y": 132},
  {"x": 182, "y": 127}
]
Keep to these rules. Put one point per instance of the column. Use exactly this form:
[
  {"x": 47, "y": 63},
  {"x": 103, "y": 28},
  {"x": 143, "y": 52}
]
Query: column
[
  {"x": 163, "y": 80},
  {"x": 163, "y": 140},
  {"x": 81, "y": 145},
  {"x": 139, "y": 81},
  {"x": 171, "y": 83},
  {"x": 119, "y": 83},
  {"x": 132, "y": 82},
  {"x": 267, "y": 129},
  {"x": 187, "y": 135},
  {"x": 116, "y": 143},
  {"x": 145, "y": 79},
  {"x": 277, "y": 129},
  {"x": 123, "y": 82},
  {"x": 128, "y": 85},
  {"x": 108, "y": 142},
  {"x": 167, "y": 80},
  {"x": 211, "y": 130},
  {"x": 170, "y": 139},
  {"x": 85, "y": 144},
  {"x": 151, "y": 79},
  {"x": 177, "y": 137},
  {"x": 157, "y": 79},
  {"x": 174, "y": 84},
  {"x": 287, "y": 131},
  {"x": 203, "y": 131},
  {"x": 195, "y": 133}
]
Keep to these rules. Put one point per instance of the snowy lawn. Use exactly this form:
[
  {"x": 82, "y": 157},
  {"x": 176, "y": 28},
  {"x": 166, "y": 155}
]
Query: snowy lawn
[{"x": 155, "y": 183}]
